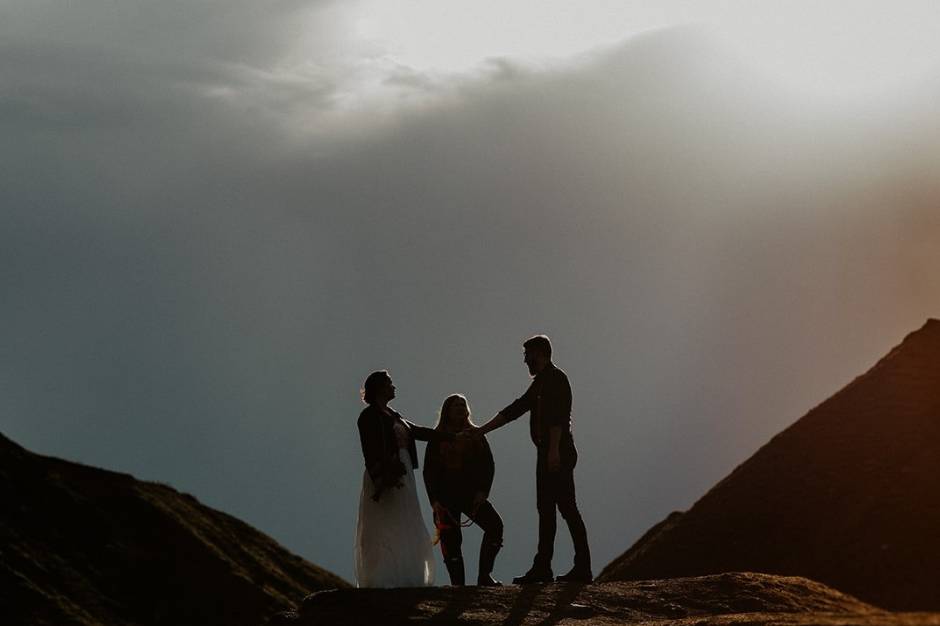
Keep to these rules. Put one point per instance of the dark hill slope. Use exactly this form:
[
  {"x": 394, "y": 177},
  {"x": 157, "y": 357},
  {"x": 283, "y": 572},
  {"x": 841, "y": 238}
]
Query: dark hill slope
[
  {"x": 80, "y": 545},
  {"x": 848, "y": 495}
]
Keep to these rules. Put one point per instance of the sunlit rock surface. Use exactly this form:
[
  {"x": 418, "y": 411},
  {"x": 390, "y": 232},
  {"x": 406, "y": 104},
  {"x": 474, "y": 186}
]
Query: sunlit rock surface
[{"x": 734, "y": 598}]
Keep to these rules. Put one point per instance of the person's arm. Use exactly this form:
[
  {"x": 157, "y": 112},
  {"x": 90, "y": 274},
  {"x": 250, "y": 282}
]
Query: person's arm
[
  {"x": 497, "y": 421},
  {"x": 370, "y": 438},
  {"x": 489, "y": 468},
  {"x": 431, "y": 472},
  {"x": 519, "y": 406},
  {"x": 554, "y": 454},
  {"x": 423, "y": 433},
  {"x": 556, "y": 413},
  {"x": 483, "y": 471},
  {"x": 432, "y": 479}
]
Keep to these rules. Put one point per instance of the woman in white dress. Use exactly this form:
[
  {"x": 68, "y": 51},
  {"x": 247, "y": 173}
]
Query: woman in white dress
[{"x": 393, "y": 548}]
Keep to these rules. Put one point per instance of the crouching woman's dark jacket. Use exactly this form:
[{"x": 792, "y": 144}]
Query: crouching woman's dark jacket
[
  {"x": 380, "y": 448},
  {"x": 455, "y": 471}
]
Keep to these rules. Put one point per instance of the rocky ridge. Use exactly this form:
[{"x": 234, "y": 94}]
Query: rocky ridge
[{"x": 847, "y": 495}]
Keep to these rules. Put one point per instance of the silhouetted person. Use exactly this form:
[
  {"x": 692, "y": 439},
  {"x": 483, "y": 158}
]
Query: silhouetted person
[
  {"x": 548, "y": 401},
  {"x": 458, "y": 476},
  {"x": 393, "y": 548}
]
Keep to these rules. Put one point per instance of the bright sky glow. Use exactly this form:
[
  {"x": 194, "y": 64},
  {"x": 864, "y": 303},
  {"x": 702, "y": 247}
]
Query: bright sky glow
[{"x": 858, "y": 46}]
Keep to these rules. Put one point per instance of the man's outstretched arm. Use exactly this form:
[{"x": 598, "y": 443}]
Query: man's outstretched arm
[
  {"x": 495, "y": 422},
  {"x": 511, "y": 412}
]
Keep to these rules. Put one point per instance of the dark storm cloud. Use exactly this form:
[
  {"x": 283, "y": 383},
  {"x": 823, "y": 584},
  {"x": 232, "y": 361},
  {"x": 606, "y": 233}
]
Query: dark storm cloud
[
  {"x": 82, "y": 65},
  {"x": 233, "y": 31},
  {"x": 202, "y": 257}
]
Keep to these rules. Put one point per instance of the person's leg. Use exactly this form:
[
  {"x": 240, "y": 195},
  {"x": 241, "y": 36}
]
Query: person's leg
[
  {"x": 541, "y": 570},
  {"x": 546, "y": 485},
  {"x": 568, "y": 507},
  {"x": 491, "y": 523},
  {"x": 451, "y": 542}
]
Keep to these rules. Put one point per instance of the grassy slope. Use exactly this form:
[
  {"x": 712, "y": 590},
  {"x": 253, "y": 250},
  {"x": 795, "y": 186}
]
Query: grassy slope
[{"x": 81, "y": 545}]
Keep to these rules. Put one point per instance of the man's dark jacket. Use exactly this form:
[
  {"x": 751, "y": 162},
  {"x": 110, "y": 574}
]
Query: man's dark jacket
[{"x": 548, "y": 399}]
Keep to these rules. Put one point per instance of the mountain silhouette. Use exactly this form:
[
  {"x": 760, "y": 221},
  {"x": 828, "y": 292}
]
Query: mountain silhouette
[
  {"x": 86, "y": 546},
  {"x": 848, "y": 495}
]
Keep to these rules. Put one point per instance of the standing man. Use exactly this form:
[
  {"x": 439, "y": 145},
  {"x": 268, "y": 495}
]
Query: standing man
[{"x": 548, "y": 401}]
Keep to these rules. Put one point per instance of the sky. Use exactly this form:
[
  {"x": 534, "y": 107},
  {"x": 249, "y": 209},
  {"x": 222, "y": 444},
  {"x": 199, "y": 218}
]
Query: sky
[{"x": 216, "y": 218}]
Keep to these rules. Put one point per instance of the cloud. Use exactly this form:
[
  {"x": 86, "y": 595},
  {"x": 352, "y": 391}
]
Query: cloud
[{"x": 255, "y": 33}]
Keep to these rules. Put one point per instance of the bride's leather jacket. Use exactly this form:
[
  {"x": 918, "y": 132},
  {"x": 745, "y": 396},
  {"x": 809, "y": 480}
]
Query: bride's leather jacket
[{"x": 380, "y": 447}]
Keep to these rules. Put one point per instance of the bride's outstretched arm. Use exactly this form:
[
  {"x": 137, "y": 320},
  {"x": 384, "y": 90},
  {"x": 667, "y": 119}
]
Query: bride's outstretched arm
[{"x": 423, "y": 433}]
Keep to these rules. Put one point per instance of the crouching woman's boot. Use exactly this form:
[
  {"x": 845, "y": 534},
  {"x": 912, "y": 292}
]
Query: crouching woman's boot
[
  {"x": 488, "y": 552},
  {"x": 455, "y": 569}
]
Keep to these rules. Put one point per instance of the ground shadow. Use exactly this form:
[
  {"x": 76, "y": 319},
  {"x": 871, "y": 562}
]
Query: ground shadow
[
  {"x": 522, "y": 605},
  {"x": 563, "y": 595}
]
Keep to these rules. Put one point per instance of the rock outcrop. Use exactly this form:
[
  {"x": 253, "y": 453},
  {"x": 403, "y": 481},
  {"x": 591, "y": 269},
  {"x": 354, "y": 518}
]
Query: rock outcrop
[
  {"x": 734, "y": 598},
  {"x": 849, "y": 495}
]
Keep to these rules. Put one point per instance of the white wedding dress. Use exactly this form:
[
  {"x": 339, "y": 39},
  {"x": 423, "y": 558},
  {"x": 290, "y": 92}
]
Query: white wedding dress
[{"x": 393, "y": 548}]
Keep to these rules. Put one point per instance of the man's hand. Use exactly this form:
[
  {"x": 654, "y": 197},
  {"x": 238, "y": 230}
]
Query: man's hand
[
  {"x": 475, "y": 432},
  {"x": 439, "y": 511},
  {"x": 471, "y": 432},
  {"x": 497, "y": 421}
]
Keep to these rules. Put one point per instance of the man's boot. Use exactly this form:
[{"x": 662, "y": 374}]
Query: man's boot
[
  {"x": 578, "y": 574},
  {"x": 488, "y": 552},
  {"x": 537, "y": 574},
  {"x": 455, "y": 569}
]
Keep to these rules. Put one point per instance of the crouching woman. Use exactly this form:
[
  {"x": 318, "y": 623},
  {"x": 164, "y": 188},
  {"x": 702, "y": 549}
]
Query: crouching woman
[{"x": 458, "y": 475}]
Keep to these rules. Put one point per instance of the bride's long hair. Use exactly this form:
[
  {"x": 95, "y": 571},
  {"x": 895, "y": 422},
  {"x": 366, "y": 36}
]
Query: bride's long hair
[{"x": 444, "y": 416}]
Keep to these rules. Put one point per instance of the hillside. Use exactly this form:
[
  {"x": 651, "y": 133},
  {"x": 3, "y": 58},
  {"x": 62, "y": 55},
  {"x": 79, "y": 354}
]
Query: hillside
[
  {"x": 848, "y": 495},
  {"x": 85, "y": 546}
]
